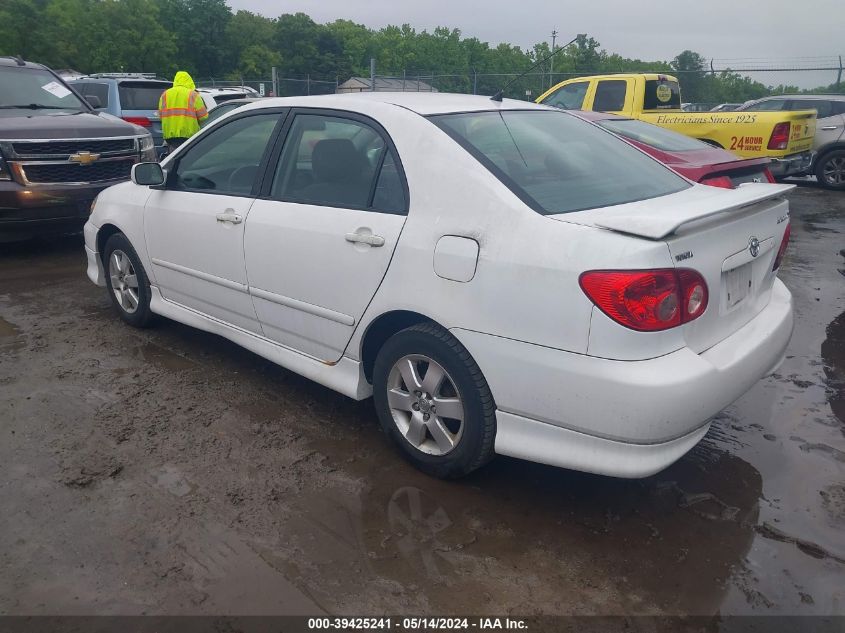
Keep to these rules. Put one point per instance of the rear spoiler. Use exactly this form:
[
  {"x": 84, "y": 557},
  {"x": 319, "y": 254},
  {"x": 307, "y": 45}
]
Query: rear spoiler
[{"x": 655, "y": 220}]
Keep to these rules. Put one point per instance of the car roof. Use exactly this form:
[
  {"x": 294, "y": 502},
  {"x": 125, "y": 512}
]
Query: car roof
[
  {"x": 118, "y": 80},
  {"x": 798, "y": 96},
  {"x": 422, "y": 103},
  {"x": 8, "y": 60}
]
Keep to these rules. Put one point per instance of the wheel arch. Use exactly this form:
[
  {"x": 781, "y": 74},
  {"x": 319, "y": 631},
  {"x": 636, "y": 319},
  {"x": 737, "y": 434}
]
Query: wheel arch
[
  {"x": 382, "y": 328},
  {"x": 103, "y": 235},
  {"x": 838, "y": 145}
]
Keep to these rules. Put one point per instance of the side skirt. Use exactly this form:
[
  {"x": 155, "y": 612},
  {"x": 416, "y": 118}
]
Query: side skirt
[{"x": 346, "y": 376}]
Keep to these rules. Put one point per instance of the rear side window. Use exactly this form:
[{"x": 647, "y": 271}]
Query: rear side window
[
  {"x": 837, "y": 107},
  {"x": 557, "y": 163},
  {"x": 338, "y": 162},
  {"x": 610, "y": 95},
  {"x": 661, "y": 95},
  {"x": 137, "y": 95},
  {"x": 568, "y": 97},
  {"x": 821, "y": 106},
  {"x": 94, "y": 89}
]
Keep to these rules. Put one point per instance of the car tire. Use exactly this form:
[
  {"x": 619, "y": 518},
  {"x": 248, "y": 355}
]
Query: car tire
[
  {"x": 449, "y": 443},
  {"x": 126, "y": 282},
  {"x": 830, "y": 170}
]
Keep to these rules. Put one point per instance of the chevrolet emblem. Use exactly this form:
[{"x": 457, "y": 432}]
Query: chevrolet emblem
[{"x": 83, "y": 158}]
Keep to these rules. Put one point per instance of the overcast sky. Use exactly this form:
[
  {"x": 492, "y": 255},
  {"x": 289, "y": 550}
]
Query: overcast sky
[{"x": 648, "y": 29}]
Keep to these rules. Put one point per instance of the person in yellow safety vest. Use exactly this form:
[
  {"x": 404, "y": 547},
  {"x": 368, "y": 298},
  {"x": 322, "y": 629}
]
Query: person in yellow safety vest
[{"x": 181, "y": 110}]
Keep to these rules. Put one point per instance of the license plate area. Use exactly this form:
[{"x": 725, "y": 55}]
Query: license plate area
[{"x": 737, "y": 286}]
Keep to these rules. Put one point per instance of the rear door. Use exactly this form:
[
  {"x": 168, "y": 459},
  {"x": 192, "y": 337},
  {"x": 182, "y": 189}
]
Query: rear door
[
  {"x": 829, "y": 119},
  {"x": 320, "y": 239}
]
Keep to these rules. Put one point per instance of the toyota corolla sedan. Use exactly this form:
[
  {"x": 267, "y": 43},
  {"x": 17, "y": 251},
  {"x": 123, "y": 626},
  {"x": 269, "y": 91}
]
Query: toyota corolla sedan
[{"x": 501, "y": 277}]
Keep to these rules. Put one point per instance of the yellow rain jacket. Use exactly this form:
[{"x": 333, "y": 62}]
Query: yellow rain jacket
[{"x": 181, "y": 108}]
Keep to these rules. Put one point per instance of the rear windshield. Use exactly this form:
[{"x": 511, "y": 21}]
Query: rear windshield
[
  {"x": 661, "y": 95},
  {"x": 136, "y": 95},
  {"x": 557, "y": 163},
  {"x": 649, "y": 134}
]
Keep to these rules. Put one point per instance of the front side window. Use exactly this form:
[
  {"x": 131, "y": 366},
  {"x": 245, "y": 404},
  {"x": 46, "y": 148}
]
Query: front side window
[
  {"x": 557, "y": 163},
  {"x": 610, "y": 95},
  {"x": 652, "y": 135},
  {"x": 227, "y": 159},
  {"x": 339, "y": 162},
  {"x": 568, "y": 97}
]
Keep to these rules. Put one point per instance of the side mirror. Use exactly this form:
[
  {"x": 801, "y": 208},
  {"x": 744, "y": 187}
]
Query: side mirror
[
  {"x": 94, "y": 101},
  {"x": 147, "y": 174}
]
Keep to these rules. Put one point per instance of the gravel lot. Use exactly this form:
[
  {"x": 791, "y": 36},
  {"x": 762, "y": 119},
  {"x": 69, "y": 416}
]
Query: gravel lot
[{"x": 167, "y": 471}]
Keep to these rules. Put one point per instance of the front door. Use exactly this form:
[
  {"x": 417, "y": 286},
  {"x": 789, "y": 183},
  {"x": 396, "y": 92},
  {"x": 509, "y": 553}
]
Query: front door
[
  {"x": 318, "y": 244},
  {"x": 195, "y": 225}
]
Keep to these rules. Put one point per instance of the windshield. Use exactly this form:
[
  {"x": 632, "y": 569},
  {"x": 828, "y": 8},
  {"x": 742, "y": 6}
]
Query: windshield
[
  {"x": 33, "y": 88},
  {"x": 557, "y": 163},
  {"x": 649, "y": 134}
]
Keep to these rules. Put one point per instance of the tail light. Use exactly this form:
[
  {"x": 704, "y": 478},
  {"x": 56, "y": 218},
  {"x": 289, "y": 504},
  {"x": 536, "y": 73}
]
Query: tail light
[
  {"x": 768, "y": 174},
  {"x": 783, "y": 244},
  {"x": 647, "y": 300},
  {"x": 138, "y": 120},
  {"x": 719, "y": 181},
  {"x": 780, "y": 136}
]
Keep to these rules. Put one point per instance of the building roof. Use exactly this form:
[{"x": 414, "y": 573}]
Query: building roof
[{"x": 385, "y": 84}]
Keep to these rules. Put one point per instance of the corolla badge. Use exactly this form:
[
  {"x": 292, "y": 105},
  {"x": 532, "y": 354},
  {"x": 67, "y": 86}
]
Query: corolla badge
[{"x": 754, "y": 246}]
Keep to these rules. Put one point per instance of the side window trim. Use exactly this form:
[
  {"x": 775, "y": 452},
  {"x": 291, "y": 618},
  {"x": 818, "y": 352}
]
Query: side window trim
[
  {"x": 262, "y": 165},
  {"x": 274, "y": 158}
]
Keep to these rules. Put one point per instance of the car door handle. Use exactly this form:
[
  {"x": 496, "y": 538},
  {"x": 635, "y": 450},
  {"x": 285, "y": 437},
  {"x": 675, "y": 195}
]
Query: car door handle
[
  {"x": 230, "y": 216},
  {"x": 361, "y": 238},
  {"x": 830, "y": 127}
]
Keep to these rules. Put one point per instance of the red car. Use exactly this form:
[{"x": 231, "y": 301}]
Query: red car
[{"x": 689, "y": 157}]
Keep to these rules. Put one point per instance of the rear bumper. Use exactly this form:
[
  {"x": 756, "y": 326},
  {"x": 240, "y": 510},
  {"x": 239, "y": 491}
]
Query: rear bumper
[
  {"x": 623, "y": 418},
  {"x": 794, "y": 165}
]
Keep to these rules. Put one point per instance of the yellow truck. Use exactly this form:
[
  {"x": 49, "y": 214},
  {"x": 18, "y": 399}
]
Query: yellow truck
[{"x": 785, "y": 137}]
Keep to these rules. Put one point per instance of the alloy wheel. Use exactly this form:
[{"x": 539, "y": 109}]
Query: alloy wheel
[
  {"x": 834, "y": 171},
  {"x": 425, "y": 404},
  {"x": 124, "y": 281}
]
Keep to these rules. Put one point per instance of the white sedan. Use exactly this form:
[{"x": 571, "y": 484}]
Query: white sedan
[{"x": 501, "y": 277}]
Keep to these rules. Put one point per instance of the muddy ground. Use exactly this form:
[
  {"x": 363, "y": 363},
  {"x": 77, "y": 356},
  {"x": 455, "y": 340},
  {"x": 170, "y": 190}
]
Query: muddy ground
[{"x": 168, "y": 471}]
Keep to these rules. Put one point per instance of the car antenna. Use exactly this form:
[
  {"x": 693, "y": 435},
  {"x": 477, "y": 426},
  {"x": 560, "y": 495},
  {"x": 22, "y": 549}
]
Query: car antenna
[
  {"x": 19, "y": 60},
  {"x": 498, "y": 95}
]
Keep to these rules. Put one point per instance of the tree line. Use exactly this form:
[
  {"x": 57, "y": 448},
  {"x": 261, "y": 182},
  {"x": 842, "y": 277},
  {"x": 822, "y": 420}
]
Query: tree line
[{"x": 209, "y": 40}]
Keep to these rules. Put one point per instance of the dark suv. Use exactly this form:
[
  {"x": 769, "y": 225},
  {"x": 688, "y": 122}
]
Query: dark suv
[{"x": 56, "y": 152}]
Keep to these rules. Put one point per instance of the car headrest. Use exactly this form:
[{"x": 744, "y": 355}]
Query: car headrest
[{"x": 335, "y": 159}]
